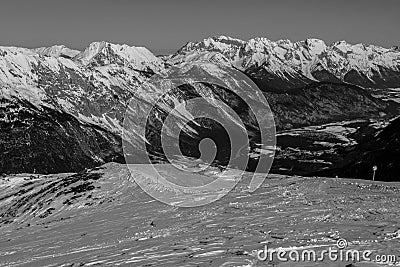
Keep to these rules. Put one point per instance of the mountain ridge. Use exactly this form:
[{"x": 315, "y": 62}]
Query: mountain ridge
[
  {"x": 93, "y": 88},
  {"x": 349, "y": 63}
]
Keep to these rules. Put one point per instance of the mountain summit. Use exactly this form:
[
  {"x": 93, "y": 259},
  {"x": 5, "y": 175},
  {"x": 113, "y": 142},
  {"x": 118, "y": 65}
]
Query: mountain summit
[
  {"x": 59, "y": 104},
  {"x": 365, "y": 65}
]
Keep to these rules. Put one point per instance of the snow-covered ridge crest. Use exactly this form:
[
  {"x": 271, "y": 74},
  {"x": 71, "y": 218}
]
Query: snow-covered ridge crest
[
  {"x": 56, "y": 51},
  {"x": 305, "y": 57},
  {"x": 108, "y": 53},
  {"x": 17, "y": 66},
  {"x": 92, "y": 85},
  {"x": 96, "y": 84}
]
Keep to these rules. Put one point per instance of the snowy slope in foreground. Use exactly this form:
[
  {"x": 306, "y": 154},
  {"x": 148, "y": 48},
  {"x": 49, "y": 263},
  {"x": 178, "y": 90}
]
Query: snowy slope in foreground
[{"x": 102, "y": 217}]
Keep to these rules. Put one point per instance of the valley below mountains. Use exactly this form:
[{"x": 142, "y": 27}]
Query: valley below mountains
[
  {"x": 62, "y": 110},
  {"x": 69, "y": 198}
]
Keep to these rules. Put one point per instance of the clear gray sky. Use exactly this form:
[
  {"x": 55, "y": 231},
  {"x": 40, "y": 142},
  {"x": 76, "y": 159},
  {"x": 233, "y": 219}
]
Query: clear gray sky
[{"x": 165, "y": 25}]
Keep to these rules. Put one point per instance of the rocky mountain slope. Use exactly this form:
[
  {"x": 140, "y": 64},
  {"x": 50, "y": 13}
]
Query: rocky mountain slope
[
  {"x": 62, "y": 110},
  {"x": 94, "y": 85},
  {"x": 88, "y": 92},
  {"x": 45, "y": 140},
  {"x": 316, "y": 103},
  {"x": 381, "y": 149},
  {"x": 324, "y": 102}
]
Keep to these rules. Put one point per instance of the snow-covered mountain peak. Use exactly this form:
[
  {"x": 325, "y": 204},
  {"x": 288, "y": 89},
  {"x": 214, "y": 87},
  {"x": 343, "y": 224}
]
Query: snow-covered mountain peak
[
  {"x": 223, "y": 44},
  {"x": 341, "y": 44},
  {"x": 224, "y": 39},
  {"x": 56, "y": 51},
  {"x": 284, "y": 42},
  {"x": 91, "y": 51},
  {"x": 395, "y": 48},
  {"x": 316, "y": 45},
  {"x": 104, "y": 53},
  {"x": 93, "y": 85},
  {"x": 17, "y": 66},
  {"x": 363, "y": 64},
  {"x": 4, "y": 50},
  {"x": 258, "y": 44}
]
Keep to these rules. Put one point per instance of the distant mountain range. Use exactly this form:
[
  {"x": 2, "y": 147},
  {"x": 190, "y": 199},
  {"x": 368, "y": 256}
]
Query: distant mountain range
[
  {"x": 62, "y": 110},
  {"x": 284, "y": 64}
]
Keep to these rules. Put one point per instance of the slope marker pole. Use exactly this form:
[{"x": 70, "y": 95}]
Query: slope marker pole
[{"x": 374, "y": 168}]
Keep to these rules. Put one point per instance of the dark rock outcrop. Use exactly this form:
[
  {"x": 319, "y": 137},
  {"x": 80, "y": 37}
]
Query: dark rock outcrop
[
  {"x": 381, "y": 150},
  {"x": 45, "y": 140}
]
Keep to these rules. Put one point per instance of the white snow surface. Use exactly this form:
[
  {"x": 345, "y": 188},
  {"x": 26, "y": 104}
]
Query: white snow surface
[{"x": 302, "y": 56}]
